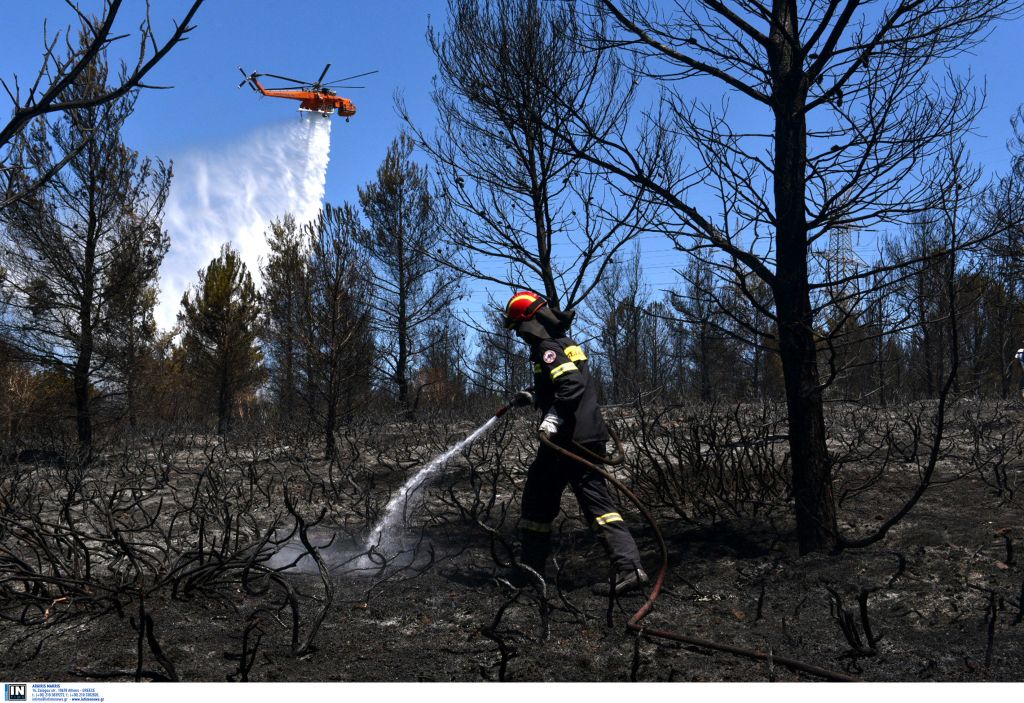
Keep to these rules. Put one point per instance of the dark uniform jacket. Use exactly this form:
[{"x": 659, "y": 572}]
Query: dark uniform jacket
[{"x": 562, "y": 383}]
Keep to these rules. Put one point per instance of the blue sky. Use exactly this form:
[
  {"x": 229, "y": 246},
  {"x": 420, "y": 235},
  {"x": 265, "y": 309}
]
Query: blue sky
[
  {"x": 204, "y": 110},
  {"x": 292, "y": 39}
]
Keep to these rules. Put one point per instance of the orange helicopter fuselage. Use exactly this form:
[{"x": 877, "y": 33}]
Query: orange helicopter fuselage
[{"x": 323, "y": 101}]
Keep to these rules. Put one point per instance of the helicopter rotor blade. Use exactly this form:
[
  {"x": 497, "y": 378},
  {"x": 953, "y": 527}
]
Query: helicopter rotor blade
[
  {"x": 322, "y": 74},
  {"x": 358, "y": 75},
  {"x": 284, "y": 78}
]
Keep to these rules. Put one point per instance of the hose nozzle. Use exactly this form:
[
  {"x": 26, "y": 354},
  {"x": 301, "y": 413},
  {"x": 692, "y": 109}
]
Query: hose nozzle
[{"x": 521, "y": 399}]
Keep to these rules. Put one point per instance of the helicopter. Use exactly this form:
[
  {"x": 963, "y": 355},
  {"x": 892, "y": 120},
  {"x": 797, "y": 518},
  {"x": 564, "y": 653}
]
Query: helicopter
[{"x": 315, "y": 96}]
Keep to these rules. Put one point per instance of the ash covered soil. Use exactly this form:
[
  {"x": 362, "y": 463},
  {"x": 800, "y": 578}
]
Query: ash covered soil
[{"x": 938, "y": 599}]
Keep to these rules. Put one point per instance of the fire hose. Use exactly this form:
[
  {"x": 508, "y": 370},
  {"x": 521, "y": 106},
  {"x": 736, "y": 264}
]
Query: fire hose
[{"x": 634, "y": 624}]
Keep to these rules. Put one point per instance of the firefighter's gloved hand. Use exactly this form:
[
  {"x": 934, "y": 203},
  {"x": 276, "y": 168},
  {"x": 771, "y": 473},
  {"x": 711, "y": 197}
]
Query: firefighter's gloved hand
[
  {"x": 523, "y": 398},
  {"x": 550, "y": 424}
]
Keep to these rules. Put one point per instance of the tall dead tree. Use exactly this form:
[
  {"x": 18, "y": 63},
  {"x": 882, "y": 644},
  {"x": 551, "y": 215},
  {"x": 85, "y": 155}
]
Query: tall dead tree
[
  {"x": 841, "y": 117},
  {"x": 402, "y": 242},
  {"x": 83, "y": 249},
  {"x": 523, "y": 213},
  {"x": 49, "y": 94},
  {"x": 337, "y": 339}
]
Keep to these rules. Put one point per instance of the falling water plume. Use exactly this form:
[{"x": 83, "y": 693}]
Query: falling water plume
[{"x": 233, "y": 193}]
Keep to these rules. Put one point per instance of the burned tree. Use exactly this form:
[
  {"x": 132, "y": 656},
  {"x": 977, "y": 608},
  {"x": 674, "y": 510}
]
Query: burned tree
[
  {"x": 83, "y": 250},
  {"x": 411, "y": 287},
  {"x": 51, "y": 91},
  {"x": 524, "y": 213},
  {"x": 840, "y": 97},
  {"x": 337, "y": 346},
  {"x": 284, "y": 285}
]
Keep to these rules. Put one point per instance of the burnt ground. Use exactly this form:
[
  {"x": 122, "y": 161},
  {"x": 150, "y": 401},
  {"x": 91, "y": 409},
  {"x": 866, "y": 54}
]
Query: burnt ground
[{"x": 939, "y": 599}]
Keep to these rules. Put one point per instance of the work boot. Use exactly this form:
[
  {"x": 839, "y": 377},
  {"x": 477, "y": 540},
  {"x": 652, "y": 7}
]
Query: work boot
[{"x": 625, "y": 581}]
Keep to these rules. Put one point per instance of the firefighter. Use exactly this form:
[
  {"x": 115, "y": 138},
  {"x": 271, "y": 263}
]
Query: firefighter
[{"x": 565, "y": 395}]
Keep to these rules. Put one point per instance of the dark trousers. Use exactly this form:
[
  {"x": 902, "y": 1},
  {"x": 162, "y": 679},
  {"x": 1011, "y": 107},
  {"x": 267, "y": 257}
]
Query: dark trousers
[{"x": 546, "y": 480}]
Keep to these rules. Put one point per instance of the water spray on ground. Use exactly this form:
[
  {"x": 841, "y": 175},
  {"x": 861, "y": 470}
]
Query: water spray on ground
[
  {"x": 386, "y": 541},
  {"x": 386, "y": 537}
]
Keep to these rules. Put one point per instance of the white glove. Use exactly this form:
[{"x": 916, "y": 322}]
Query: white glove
[{"x": 550, "y": 424}]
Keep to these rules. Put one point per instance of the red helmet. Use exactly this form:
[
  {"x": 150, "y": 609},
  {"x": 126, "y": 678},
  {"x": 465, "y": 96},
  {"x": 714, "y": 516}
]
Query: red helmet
[{"x": 522, "y": 307}]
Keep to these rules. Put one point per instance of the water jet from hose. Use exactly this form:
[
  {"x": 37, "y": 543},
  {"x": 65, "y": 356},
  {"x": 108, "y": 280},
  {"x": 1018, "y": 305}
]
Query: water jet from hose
[{"x": 385, "y": 541}]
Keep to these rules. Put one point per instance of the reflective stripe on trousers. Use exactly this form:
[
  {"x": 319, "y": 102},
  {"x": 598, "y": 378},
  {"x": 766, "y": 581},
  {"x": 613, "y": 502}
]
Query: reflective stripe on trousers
[{"x": 546, "y": 480}]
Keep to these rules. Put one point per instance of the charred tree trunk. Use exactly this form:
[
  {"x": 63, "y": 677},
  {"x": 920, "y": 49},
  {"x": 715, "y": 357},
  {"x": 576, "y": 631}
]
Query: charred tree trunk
[
  {"x": 83, "y": 362},
  {"x": 812, "y": 471},
  {"x": 402, "y": 362},
  {"x": 704, "y": 359},
  {"x": 223, "y": 406},
  {"x": 130, "y": 393},
  {"x": 83, "y": 412},
  {"x": 403, "y": 327},
  {"x": 330, "y": 447},
  {"x": 288, "y": 399},
  {"x": 331, "y": 418}
]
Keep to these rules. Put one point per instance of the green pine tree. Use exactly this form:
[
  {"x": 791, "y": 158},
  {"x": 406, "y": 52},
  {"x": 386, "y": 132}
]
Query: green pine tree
[{"x": 220, "y": 322}]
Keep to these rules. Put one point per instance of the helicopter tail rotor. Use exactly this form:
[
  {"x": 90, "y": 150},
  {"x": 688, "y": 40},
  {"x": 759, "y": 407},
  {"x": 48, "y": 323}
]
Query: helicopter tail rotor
[{"x": 249, "y": 78}]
